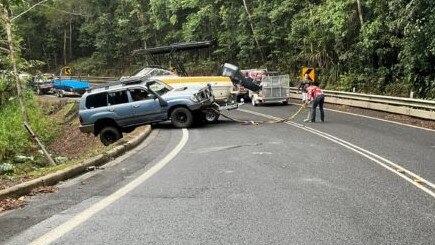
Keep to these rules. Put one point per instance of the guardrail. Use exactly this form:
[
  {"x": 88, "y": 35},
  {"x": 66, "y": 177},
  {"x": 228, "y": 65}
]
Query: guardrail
[{"x": 405, "y": 106}]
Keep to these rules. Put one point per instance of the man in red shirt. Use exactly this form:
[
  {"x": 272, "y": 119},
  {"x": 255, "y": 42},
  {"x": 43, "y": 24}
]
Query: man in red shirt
[{"x": 315, "y": 94}]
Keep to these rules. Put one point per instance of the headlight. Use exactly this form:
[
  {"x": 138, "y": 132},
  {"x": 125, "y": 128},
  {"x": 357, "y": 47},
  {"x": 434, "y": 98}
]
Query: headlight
[{"x": 194, "y": 98}]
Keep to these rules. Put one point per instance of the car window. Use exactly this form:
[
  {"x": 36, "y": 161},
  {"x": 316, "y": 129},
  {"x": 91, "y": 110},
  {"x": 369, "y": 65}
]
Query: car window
[
  {"x": 140, "y": 94},
  {"x": 118, "y": 97},
  {"x": 159, "y": 87},
  {"x": 96, "y": 100}
]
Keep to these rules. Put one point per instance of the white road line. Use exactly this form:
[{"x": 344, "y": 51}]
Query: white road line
[
  {"x": 375, "y": 118},
  {"x": 370, "y": 155},
  {"x": 80, "y": 218}
]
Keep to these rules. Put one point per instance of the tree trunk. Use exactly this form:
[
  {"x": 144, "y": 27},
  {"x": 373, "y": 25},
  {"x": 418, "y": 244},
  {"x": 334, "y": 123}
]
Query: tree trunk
[
  {"x": 64, "y": 47},
  {"x": 360, "y": 12},
  {"x": 6, "y": 16},
  {"x": 253, "y": 31},
  {"x": 70, "y": 40}
]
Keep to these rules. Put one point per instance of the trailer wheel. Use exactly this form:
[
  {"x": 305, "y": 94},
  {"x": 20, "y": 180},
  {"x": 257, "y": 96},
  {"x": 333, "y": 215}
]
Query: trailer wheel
[
  {"x": 109, "y": 135},
  {"x": 211, "y": 116},
  {"x": 181, "y": 117}
]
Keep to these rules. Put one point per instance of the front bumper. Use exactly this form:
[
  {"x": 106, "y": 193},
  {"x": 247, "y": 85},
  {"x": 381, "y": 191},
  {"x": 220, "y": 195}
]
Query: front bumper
[{"x": 202, "y": 105}]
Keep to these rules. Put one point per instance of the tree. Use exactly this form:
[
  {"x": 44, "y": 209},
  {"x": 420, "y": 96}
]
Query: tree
[{"x": 6, "y": 16}]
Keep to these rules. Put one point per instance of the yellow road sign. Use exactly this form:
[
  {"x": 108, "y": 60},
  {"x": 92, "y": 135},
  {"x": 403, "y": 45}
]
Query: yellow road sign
[
  {"x": 310, "y": 71},
  {"x": 66, "y": 71}
]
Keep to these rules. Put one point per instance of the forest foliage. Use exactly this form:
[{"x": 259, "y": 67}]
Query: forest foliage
[{"x": 382, "y": 47}]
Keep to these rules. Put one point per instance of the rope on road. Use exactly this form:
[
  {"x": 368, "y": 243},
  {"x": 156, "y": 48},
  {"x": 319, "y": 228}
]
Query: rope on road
[{"x": 255, "y": 123}]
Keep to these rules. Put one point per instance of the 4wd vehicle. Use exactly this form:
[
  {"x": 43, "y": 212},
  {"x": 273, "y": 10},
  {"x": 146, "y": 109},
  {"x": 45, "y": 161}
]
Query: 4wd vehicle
[{"x": 109, "y": 111}]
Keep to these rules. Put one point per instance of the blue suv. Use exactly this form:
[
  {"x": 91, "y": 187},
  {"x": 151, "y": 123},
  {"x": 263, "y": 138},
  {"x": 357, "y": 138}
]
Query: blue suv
[{"x": 112, "y": 110}]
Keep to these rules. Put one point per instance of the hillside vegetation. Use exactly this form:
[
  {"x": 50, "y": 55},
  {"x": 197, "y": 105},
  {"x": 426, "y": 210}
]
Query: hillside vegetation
[{"x": 382, "y": 47}]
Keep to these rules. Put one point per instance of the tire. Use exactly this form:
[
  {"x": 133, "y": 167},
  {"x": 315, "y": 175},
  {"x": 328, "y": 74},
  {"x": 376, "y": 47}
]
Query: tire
[
  {"x": 285, "y": 102},
  {"x": 181, "y": 117},
  {"x": 211, "y": 116},
  {"x": 38, "y": 91},
  {"x": 109, "y": 135}
]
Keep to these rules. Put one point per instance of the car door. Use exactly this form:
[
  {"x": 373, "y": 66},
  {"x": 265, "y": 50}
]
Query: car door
[
  {"x": 146, "y": 106},
  {"x": 118, "y": 104}
]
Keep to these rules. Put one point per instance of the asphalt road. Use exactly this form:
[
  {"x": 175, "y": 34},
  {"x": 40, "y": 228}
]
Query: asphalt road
[{"x": 295, "y": 183}]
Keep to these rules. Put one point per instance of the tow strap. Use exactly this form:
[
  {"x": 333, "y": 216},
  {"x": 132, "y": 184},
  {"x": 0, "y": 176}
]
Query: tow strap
[{"x": 254, "y": 123}]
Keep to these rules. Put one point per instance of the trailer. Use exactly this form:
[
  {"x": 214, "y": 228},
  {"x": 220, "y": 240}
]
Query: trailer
[
  {"x": 70, "y": 87},
  {"x": 275, "y": 89}
]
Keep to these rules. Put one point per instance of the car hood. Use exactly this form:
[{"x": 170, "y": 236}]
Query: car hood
[{"x": 180, "y": 93}]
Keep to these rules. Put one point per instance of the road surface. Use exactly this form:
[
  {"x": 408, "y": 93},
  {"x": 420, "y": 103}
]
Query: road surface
[{"x": 350, "y": 180}]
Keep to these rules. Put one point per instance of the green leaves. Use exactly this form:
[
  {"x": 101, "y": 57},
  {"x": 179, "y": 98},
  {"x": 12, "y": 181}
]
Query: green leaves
[{"x": 394, "y": 50}]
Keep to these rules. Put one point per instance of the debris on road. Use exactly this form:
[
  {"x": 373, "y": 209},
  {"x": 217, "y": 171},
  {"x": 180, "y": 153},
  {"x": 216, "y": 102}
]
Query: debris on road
[{"x": 11, "y": 203}]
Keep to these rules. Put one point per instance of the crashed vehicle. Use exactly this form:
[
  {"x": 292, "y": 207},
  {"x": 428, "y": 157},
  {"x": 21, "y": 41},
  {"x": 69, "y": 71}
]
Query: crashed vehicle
[
  {"x": 256, "y": 75},
  {"x": 149, "y": 72},
  {"x": 112, "y": 110},
  {"x": 223, "y": 87}
]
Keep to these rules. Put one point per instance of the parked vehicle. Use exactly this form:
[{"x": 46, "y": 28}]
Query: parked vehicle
[
  {"x": 275, "y": 89},
  {"x": 111, "y": 110},
  {"x": 70, "y": 87},
  {"x": 43, "y": 84}
]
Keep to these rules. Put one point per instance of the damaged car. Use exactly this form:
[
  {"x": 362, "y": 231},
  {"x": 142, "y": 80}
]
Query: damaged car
[{"x": 109, "y": 111}]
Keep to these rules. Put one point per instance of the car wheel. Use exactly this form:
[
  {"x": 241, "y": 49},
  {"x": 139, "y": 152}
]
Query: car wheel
[
  {"x": 285, "y": 102},
  {"x": 181, "y": 117},
  {"x": 211, "y": 116},
  {"x": 38, "y": 91},
  {"x": 109, "y": 135}
]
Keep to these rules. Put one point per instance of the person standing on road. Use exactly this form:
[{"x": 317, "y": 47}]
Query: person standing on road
[
  {"x": 316, "y": 96},
  {"x": 303, "y": 85}
]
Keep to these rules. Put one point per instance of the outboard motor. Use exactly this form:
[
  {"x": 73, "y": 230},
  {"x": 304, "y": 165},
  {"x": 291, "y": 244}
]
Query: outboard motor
[{"x": 234, "y": 73}]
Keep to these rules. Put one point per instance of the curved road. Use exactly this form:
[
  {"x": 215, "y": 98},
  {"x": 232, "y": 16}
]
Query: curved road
[{"x": 290, "y": 183}]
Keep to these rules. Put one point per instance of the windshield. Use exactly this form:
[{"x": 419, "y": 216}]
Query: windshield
[{"x": 159, "y": 87}]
